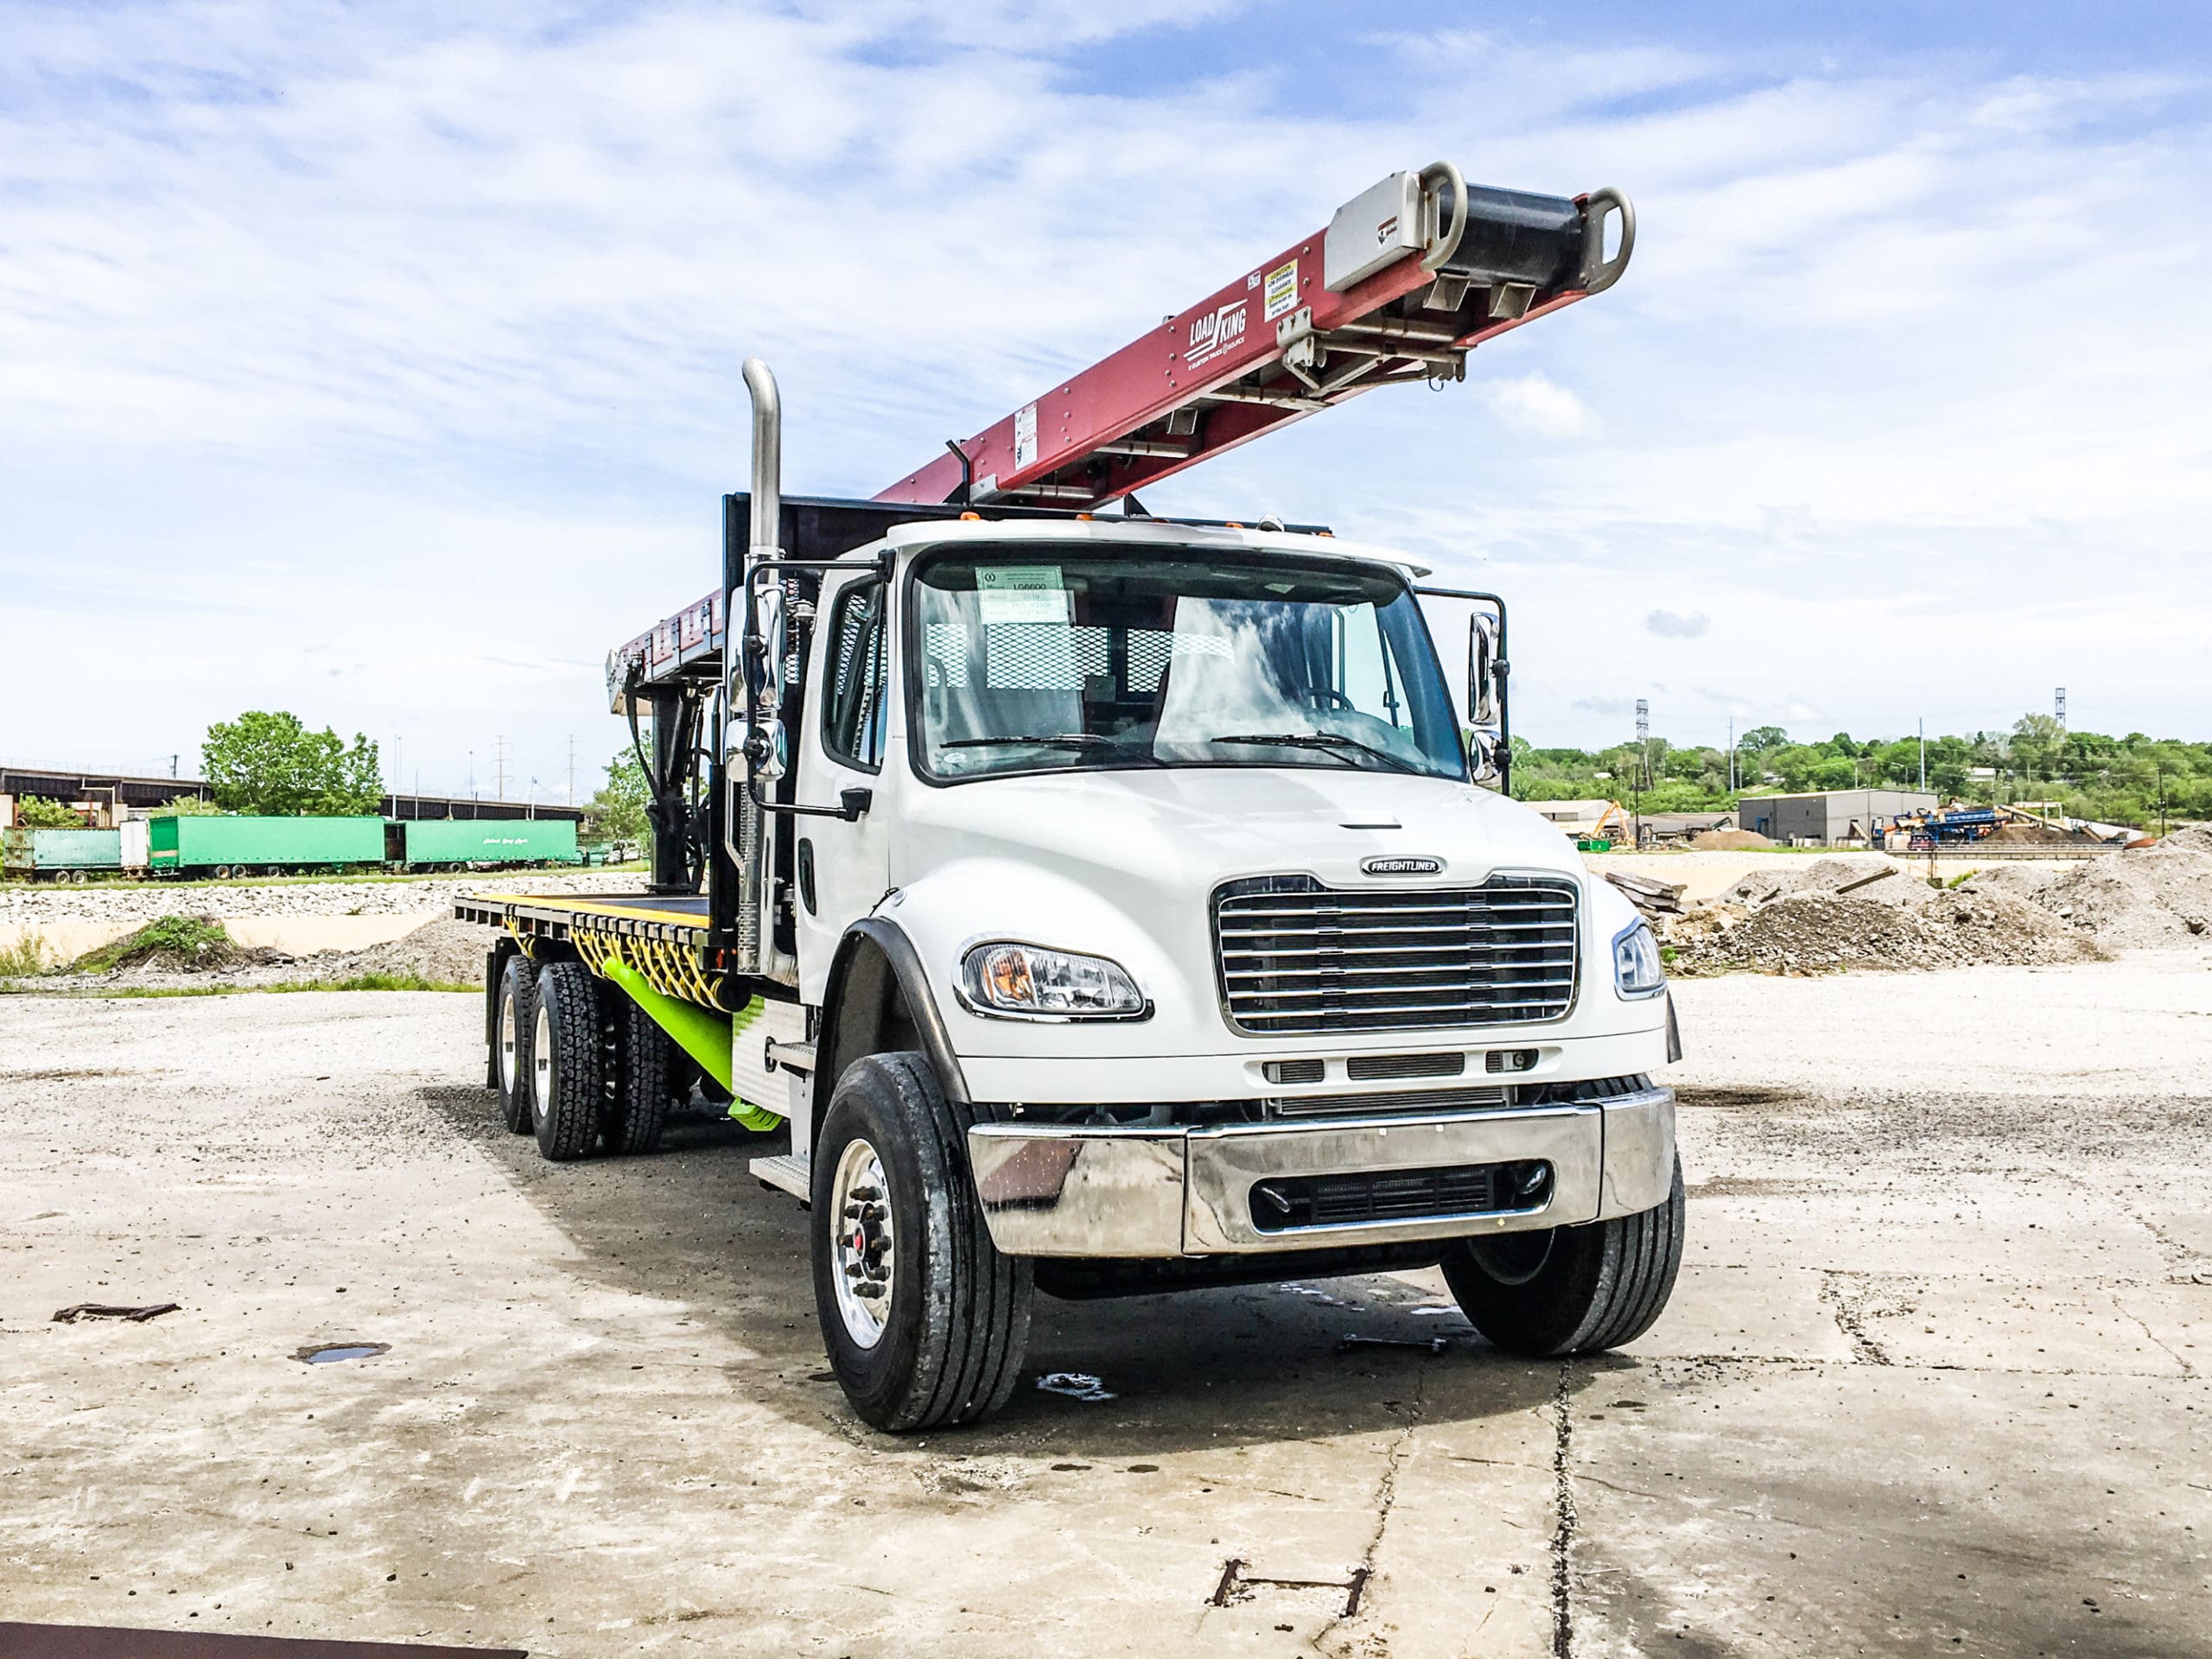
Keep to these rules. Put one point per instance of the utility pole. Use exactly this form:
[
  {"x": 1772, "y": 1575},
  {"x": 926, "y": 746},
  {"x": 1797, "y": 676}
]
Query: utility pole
[
  {"x": 472, "y": 774},
  {"x": 2058, "y": 704},
  {"x": 1921, "y": 726},
  {"x": 572, "y": 768},
  {"x": 499, "y": 767},
  {"x": 1732, "y": 755},
  {"x": 172, "y": 760},
  {"x": 1643, "y": 761}
]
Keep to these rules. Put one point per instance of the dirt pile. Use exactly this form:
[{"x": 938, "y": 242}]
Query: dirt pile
[
  {"x": 2156, "y": 898},
  {"x": 448, "y": 952},
  {"x": 1866, "y": 875},
  {"x": 2189, "y": 838},
  {"x": 1728, "y": 841},
  {"x": 2021, "y": 834},
  {"x": 1817, "y": 931},
  {"x": 171, "y": 944}
]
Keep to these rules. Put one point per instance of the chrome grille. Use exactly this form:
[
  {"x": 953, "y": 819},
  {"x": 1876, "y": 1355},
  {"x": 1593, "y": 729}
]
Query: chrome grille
[{"x": 1297, "y": 957}]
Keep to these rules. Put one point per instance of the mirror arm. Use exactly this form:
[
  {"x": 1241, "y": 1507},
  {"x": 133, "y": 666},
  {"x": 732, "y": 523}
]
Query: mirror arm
[{"x": 1498, "y": 671}]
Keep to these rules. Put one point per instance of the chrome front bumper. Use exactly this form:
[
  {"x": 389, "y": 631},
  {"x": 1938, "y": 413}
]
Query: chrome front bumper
[{"x": 1048, "y": 1190}]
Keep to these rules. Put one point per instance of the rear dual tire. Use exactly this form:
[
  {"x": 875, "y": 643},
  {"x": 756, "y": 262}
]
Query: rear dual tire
[
  {"x": 1571, "y": 1290},
  {"x": 567, "y": 1080},
  {"x": 578, "y": 1063}
]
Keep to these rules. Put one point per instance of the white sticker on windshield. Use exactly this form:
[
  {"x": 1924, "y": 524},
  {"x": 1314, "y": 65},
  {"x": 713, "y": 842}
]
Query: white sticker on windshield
[{"x": 1021, "y": 593}]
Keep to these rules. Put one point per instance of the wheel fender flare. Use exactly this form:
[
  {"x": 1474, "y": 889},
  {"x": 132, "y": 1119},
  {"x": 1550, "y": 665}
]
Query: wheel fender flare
[{"x": 905, "y": 965}]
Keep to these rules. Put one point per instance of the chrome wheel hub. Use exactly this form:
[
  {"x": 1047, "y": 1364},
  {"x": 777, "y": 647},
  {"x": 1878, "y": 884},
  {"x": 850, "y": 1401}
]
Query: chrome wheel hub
[
  {"x": 541, "y": 1064},
  {"x": 861, "y": 1245},
  {"x": 509, "y": 1041}
]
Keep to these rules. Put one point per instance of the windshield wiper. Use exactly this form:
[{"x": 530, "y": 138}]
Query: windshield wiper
[
  {"x": 1316, "y": 741},
  {"x": 1051, "y": 740}
]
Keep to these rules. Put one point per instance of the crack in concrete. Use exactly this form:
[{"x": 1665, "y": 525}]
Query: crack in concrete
[
  {"x": 1849, "y": 1307},
  {"x": 1563, "y": 1529},
  {"x": 2152, "y": 1336},
  {"x": 1386, "y": 1498}
]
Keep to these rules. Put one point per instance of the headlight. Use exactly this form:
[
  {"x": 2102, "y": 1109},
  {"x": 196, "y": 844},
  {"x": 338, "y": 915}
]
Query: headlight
[
  {"x": 1637, "y": 971},
  {"x": 1007, "y": 978}
]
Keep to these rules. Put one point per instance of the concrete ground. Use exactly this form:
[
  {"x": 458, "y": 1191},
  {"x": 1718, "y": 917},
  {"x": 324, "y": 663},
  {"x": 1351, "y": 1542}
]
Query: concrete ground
[{"x": 1934, "y": 1380}]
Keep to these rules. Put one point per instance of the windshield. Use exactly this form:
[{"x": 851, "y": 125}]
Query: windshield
[{"x": 1030, "y": 659}]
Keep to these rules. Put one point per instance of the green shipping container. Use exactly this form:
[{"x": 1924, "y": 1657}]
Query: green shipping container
[
  {"x": 486, "y": 841},
  {"x": 187, "y": 843},
  {"x": 36, "y": 852}
]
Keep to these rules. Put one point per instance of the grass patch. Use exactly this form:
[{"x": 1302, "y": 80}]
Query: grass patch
[
  {"x": 356, "y": 982},
  {"x": 25, "y": 957},
  {"x": 371, "y": 982},
  {"x": 192, "y": 942}
]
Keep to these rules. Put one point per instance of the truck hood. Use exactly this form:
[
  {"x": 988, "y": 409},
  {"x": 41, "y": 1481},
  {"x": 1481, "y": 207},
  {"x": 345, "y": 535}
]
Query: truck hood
[
  {"x": 1123, "y": 865},
  {"x": 1203, "y": 825}
]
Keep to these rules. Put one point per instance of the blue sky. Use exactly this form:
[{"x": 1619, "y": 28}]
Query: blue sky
[{"x": 380, "y": 362}]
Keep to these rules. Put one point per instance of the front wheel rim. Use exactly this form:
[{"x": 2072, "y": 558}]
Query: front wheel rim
[
  {"x": 541, "y": 1064},
  {"x": 1513, "y": 1258},
  {"x": 863, "y": 1247}
]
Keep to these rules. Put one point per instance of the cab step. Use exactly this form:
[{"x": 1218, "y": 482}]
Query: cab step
[{"x": 787, "y": 1171}]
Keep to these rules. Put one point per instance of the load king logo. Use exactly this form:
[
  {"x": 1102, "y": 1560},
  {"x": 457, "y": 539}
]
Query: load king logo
[{"x": 1215, "y": 332}]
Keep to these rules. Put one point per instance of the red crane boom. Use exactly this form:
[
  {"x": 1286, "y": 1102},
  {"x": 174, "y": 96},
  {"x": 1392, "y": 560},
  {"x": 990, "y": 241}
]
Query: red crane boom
[{"x": 1409, "y": 276}]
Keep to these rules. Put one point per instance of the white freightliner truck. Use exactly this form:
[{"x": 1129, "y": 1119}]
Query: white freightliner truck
[{"x": 1102, "y": 902}]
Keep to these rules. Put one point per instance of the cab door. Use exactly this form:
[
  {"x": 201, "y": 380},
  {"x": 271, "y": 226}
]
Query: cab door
[{"x": 840, "y": 869}]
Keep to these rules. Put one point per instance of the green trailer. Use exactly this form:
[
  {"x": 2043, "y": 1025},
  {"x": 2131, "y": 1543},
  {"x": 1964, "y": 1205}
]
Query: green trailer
[
  {"x": 225, "y": 846},
  {"x": 62, "y": 854},
  {"x": 428, "y": 843}
]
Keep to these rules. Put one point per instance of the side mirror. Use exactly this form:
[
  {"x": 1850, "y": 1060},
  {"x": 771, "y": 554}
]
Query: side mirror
[
  {"x": 1482, "y": 671},
  {"x": 766, "y": 751},
  {"x": 769, "y": 643},
  {"x": 1482, "y": 757}
]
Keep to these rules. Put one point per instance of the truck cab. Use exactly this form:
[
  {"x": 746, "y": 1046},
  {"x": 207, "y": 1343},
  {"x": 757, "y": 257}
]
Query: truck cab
[{"x": 1100, "y": 904}]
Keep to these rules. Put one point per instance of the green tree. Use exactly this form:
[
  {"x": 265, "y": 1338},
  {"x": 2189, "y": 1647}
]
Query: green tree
[
  {"x": 192, "y": 806},
  {"x": 36, "y": 812},
  {"x": 618, "y": 811},
  {"x": 270, "y": 764}
]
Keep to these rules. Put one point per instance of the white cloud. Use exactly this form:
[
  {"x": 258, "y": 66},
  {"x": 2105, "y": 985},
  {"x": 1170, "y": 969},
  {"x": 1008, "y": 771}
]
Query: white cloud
[
  {"x": 420, "y": 335},
  {"x": 1532, "y": 403},
  {"x": 1670, "y": 625}
]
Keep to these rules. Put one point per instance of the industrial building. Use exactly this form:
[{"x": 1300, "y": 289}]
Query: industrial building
[{"x": 1829, "y": 817}]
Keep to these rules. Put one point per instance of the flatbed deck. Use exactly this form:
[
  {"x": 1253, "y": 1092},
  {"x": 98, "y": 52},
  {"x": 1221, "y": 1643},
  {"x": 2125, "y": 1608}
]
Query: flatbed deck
[{"x": 665, "y": 918}]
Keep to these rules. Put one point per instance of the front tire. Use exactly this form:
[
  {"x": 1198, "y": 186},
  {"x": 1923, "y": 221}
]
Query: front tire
[
  {"x": 925, "y": 1320},
  {"x": 512, "y": 1028},
  {"x": 565, "y": 1073},
  {"x": 1571, "y": 1290}
]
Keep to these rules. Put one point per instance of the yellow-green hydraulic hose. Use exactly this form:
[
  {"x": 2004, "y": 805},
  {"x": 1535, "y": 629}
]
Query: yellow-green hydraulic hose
[{"x": 707, "y": 1036}]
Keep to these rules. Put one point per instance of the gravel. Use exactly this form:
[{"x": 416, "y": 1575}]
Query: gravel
[
  {"x": 1820, "y": 932},
  {"x": 2152, "y": 898},
  {"x": 145, "y": 902}
]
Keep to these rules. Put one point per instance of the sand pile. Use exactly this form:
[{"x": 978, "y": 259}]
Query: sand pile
[
  {"x": 1728, "y": 841},
  {"x": 1817, "y": 931},
  {"x": 2190, "y": 838}
]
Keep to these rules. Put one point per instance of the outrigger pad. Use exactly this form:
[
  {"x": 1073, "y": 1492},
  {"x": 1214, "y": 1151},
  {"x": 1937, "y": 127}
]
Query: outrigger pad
[{"x": 112, "y": 1642}]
